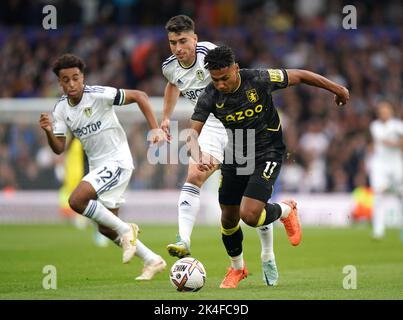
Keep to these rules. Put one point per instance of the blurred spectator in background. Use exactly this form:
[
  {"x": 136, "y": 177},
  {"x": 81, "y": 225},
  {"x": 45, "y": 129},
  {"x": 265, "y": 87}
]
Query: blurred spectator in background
[
  {"x": 75, "y": 167},
  {"x": 313, "y": 147},
  {"x": 386, "y": 171}
]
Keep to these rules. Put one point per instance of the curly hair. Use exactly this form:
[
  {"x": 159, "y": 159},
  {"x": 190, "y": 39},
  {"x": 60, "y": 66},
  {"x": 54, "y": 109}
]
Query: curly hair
[
  {"x": 68, "y": 60},
  {"x": 219, "y": 58}
]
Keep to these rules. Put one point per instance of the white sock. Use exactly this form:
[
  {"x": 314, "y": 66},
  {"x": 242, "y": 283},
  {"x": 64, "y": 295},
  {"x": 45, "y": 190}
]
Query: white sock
[
  {"x": 285, "y": 210},
  {"x": 188, "y": 208},
  {"x": 266, "y": 240},
  {"x": 237, "y": 262},
  {"x": 378, "y": 225},
  {"x": 144, "y": 253},
  {"x": 98, "y": 213}
]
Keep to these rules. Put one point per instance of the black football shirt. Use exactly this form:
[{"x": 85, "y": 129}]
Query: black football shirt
[{"x": 252, "y": 122}]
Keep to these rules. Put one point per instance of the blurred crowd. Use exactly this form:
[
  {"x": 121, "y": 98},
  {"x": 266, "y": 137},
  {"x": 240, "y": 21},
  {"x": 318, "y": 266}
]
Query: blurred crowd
[{"x": 123, "y": 43}]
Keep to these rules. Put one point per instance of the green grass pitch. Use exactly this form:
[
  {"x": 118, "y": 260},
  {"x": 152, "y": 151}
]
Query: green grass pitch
[{"x": 313, "y": 270}]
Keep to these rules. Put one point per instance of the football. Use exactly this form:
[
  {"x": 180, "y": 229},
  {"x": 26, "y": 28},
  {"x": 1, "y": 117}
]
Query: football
[{"x": 187, "y": 274}]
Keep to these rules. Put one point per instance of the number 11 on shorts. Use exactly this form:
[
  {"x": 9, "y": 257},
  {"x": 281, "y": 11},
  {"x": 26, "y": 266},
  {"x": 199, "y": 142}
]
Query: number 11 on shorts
[{"x": 268, "y": 171}]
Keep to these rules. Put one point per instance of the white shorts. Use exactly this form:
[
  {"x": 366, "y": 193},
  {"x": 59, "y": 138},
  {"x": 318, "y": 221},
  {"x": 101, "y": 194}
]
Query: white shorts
[
  {"x": 110, "y": 182},
  {"x": 213, "y": 139},
  {"x": 387, "y": 177}
]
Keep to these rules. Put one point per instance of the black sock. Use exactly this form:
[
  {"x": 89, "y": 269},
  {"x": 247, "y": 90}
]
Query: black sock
[
  {"x": 233, "y": 242},
  {"x": 273, "y": 212}
]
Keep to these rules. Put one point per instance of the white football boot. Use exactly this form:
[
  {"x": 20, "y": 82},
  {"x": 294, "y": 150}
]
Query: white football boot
[
  {"x": 151, "y": 269},
  {"x": 128, "y": 242}
]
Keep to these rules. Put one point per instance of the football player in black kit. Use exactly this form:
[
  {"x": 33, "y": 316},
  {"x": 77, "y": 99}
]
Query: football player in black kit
[{"x": 241, "y": 99}]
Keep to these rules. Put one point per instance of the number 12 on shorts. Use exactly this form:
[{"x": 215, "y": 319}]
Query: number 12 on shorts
[{"x": 107, "y": 174}]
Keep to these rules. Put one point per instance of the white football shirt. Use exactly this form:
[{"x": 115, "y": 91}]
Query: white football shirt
[
  {"x": 94, "y": 122},
  {"x": 389, "y": 130},
  {"x": 192, "y": 80}
]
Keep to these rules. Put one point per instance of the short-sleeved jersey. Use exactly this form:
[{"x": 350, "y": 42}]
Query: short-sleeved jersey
[
  {"x": 248, "y": 107},
  {"x": 191, "y": 81},
  {"x": 94, "y": 122},
  {"x": 389, "y": 130}
]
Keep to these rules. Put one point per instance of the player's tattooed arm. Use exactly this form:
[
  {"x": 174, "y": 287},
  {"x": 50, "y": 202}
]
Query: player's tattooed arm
[{"x": 296, "y": 76}]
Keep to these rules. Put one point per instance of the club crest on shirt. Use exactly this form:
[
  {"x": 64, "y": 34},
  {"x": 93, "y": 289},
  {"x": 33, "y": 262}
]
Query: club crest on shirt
[
  {"x": 88, "y": 112},
  {"x": 252, "y": 95},
  {"x": 200, "y": 75}
]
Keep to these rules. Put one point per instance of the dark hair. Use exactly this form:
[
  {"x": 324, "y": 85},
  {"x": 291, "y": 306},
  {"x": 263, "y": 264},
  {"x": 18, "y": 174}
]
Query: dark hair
[
  {"x": 68, "y": 60},
  {"x": 179, "y": 24},
  {"x": 219, "y": 58}
]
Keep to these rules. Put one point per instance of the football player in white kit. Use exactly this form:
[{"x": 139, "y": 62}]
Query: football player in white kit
[
  {"x": 186, "y": 74},
  {"x": 87, "y": 111},
  {"x": 386, "y": 174}
]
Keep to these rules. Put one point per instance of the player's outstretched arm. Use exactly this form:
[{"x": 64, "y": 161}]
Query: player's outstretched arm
[
  {"x": 171, "y": 96},
  {"x": 141, "y": 98},
  {"x": 204, "y": 161},
  {"x": 296, "y": 76},
  {"x": 57, "y": 144}
]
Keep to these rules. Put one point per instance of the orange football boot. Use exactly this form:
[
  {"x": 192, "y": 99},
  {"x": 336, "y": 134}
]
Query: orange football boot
[
  {"x": 292, "y": 224},
  {"x": 233, "y": 277}
]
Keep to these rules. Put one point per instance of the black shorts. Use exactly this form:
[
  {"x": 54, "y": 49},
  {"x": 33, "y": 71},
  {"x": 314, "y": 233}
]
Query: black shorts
[{"x": 258, "y": 185}]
